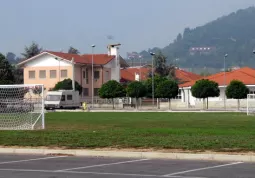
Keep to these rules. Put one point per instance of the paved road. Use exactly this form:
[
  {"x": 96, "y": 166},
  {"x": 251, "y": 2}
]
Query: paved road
[{"x": 27, "y": 166}]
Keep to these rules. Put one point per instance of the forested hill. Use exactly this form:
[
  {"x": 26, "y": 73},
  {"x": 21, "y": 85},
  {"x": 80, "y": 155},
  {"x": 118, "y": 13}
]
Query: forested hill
[{"x": 206, "y": 45}]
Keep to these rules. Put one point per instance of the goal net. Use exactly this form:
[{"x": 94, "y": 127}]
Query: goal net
[
  {"x": 251, "y": 104},
  {"x": 21, "y": 107}
]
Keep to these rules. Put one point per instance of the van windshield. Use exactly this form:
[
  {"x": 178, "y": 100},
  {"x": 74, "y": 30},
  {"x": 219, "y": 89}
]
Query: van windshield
[{"x": 53, "y": 97}]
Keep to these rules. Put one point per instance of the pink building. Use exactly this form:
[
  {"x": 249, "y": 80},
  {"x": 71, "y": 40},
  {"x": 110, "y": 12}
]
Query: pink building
[{"x": 50, "y": 67}]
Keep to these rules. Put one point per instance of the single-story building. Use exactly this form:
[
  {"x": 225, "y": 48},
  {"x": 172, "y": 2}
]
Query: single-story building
[{"x": 245, "y": 75}]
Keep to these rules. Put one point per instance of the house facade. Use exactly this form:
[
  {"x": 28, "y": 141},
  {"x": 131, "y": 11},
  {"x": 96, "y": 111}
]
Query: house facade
[
  {"x": 245, "y": 75},
  {"x": 48, "y": 68}
]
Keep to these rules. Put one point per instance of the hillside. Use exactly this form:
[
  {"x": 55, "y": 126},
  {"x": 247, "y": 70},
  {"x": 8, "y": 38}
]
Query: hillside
[{"x": 205, "y": 46}]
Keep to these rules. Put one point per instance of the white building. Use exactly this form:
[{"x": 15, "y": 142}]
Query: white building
[{"x": 245, "y": 75}]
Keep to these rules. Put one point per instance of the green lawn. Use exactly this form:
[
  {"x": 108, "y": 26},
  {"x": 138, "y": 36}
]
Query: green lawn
[{"x": 187, "y": 131}]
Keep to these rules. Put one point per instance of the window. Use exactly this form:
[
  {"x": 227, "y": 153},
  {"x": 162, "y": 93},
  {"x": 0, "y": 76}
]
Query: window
[
  {"x": 63, "y": 98},
  {"x": 86, "y": 75},
  {"x": 85, "y": 92},
  {"x": 52, "y": 97},
  {"x": 69, "y": 97},
  {"x": 63, "y": 73},
  {"x": 96, "y": 74},
  {"x": 42, "y": 74},
  {"x": 31, "y": 74},
  {"x": 53, "y": 73},
  {"x": 96, "y": 91}
]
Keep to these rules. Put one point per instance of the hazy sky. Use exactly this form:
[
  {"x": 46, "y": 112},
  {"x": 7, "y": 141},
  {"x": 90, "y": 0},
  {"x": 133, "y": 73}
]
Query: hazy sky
[{"x": 136, "y": 24}]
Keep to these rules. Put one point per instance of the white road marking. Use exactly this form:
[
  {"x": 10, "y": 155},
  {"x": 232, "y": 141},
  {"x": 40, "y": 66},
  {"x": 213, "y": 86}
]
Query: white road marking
[
  {"x": 101, "y": 165},
  {"x": 26, "y": 160},
  {"x": 123, "y": 174},
  {"x": 200, "y": 169},
  {"x": 95, "y": 173}
]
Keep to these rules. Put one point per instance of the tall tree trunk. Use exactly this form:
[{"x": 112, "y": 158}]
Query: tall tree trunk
[
  {"x": 136, "y": 103},
  {"x": 112, "y": 103},
  {"x": 170, "y": 107},
  {"x": 207, "y": 103}
]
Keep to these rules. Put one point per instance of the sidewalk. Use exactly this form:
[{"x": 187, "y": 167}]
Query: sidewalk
[{"x": 244, "y": 157}]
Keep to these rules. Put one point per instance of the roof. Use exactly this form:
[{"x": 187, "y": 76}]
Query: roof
[
  {"x": 245, "y": 75},
  {"x": 128, "y": 74},
  {"x": 185, "y": 76},
  {"x": 99, "y": 59}
]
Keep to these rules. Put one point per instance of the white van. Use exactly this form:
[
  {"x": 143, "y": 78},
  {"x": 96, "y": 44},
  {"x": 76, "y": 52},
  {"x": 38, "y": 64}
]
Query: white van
[{"x": 62, "y": 99}]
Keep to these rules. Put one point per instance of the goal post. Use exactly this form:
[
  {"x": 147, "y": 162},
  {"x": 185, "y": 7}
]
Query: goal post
[
  {"x": 251, "y": 104},
  {"x": 22, "y": 107}
]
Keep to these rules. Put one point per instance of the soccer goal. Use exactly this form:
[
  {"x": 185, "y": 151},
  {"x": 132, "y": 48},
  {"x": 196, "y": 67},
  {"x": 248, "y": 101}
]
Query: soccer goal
[
  {"x": 21, "y": 107},
  {"x": 251, "y": 104}
]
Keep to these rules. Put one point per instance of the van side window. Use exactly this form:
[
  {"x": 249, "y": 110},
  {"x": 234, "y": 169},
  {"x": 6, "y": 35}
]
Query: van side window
[
  {"x": 69, "y": 97},
  {"x": 63, "y": 98}
]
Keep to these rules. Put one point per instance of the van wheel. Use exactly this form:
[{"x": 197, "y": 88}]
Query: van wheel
[{"x": 61, "y": 107}]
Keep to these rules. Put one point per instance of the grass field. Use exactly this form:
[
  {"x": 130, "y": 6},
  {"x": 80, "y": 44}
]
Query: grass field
[{"x": 187, "y": 131}]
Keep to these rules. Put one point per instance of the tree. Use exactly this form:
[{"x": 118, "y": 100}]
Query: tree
[
  {"x": 205, "y": 88},
  {"x": 148, "y": 84},
  {"x": 6, "y": 71},
  {"x": 167, "y": 89},
  {"x": 66, "y": 84},
  {"x": 11, "y": 57},
  {"x": 32, "y": 50},
  {"x": 162, "y": 68},
  {"x": 237, "y": 90},
  {"x": 112, "y": 89},
  {"x": 136, "y": 90},
  {"x": 73, "y": 50}
]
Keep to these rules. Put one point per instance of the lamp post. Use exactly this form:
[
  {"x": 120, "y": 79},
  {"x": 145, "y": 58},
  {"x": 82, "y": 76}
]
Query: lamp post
[
  {"x": 152, "y": 77},
  {"x": 226, "y": 55},
  {"x": 92, "y": 76}
]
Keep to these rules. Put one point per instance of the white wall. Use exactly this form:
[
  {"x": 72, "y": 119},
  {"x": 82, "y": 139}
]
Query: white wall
[
  {"x": 188, "y": 98},
  {"x": 46, "y": 60}
]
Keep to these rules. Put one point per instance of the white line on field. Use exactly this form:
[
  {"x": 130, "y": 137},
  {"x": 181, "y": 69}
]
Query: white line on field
[
  {"x": 101, "y": 165},
  {"x": 94, "y": 173},
  {"x": 26, "y": 160},
  {"x": 200, "y": 169}
]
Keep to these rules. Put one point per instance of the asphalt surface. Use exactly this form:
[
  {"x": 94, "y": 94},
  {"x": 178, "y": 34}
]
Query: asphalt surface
[{"x": 27, "y": 166}]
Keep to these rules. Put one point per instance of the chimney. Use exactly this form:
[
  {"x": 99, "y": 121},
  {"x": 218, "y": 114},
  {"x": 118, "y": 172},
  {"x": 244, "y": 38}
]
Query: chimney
[{"x": 112, "y": 49}]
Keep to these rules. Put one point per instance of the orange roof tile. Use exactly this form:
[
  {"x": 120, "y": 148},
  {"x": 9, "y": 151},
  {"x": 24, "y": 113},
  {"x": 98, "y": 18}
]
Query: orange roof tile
[
  {"x": 245, "y": 75},
  {"x": 99, "y": 59},
  {"x": 185, "y": 76},
  {"x": 129, "y": 74}
]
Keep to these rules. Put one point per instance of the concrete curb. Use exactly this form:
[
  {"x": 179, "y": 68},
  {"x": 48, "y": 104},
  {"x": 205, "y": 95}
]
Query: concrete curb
[{"x": 125, "y": 154}]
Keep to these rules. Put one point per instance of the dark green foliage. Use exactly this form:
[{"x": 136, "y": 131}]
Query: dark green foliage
[
  {"x": 167, "y": 89},
  {"x": 205, "y": 88},
  {"x": 32, "y": 50},
  {"x": 72, "y": 50},
  {"x": 6, "y": 71},
  {"x": 148, "y": 84},
  {"x": 136, "y": 89},
  {"x": 66, "y": 84},
  {"x": 112, "y": 89},
  {"x": 237, "y": 90},
  {"x": 162, "y": 67}
]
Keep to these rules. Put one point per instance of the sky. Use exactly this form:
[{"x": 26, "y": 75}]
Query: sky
[{"x": 136, "y": 24}]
